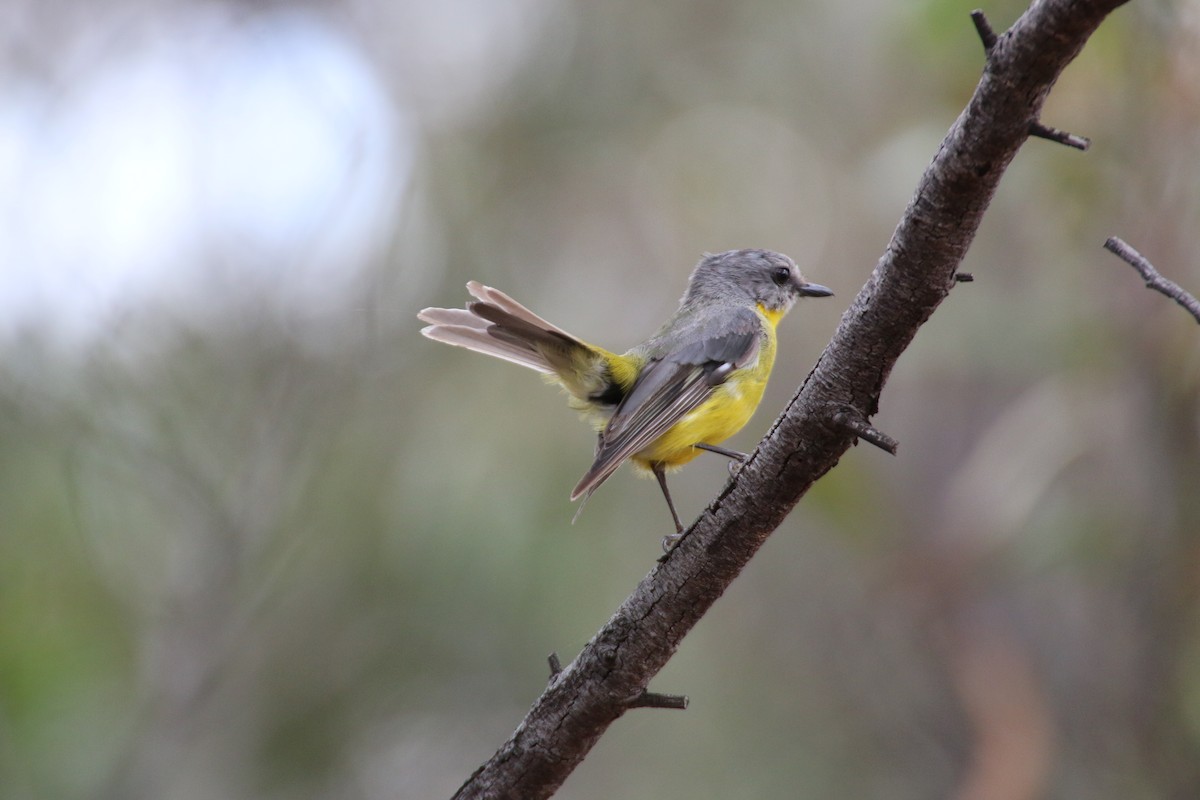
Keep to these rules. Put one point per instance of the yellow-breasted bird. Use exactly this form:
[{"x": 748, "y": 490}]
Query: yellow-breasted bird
[{"x": 687, "y": 388}]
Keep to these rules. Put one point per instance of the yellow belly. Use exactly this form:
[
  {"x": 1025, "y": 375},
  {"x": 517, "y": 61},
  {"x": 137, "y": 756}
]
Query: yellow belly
[
  {"x": 721, "y": 416},
  {"x": 725, "y": 413}
]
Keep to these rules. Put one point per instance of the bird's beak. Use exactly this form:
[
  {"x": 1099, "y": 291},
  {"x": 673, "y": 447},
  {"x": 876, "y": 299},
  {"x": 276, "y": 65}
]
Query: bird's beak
[{"x": 814, "y": 290}]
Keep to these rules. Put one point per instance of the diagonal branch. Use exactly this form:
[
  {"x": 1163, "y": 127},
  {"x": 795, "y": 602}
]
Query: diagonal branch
[
  {"x": 1154, "y": 280},
  {"x": 912, "y": 278},
  {"x": 1036, "y": 127}
]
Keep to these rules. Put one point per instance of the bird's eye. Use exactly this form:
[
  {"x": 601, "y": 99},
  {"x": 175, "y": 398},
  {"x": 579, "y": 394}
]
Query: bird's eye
[{"x": 780, "y": 275}]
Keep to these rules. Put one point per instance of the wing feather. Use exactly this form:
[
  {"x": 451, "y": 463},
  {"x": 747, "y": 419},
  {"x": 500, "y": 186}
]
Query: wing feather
[{"x": 667, "y": 390}]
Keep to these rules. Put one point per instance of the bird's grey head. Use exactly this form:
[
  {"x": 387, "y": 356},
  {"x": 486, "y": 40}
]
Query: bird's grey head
[{"x": 769, "y": 279}]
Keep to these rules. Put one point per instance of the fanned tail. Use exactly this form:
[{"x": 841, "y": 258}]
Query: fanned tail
[{"x": 499, "y": 326}]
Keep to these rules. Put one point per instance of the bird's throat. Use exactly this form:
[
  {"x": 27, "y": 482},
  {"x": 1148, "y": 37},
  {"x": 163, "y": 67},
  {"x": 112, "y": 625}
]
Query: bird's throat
[{"x": 773, "y": 315}]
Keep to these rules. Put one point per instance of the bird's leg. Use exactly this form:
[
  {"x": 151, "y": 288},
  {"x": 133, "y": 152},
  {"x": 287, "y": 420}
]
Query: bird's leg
[
  {"x": 736, "y": 459},
  {"x": 668, "y": 541},
  {"x": 712, "y": 448}
]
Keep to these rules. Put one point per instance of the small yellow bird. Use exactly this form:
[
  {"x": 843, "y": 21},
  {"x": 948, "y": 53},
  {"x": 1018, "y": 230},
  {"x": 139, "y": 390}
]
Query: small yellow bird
[{"x": 687, "y": 388}]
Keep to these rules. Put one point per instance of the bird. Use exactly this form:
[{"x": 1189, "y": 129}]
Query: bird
[{"x": 690, "y": 386}]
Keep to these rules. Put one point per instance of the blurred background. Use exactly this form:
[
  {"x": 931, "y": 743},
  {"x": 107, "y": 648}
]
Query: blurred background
[{"x": 260, "y": 539}]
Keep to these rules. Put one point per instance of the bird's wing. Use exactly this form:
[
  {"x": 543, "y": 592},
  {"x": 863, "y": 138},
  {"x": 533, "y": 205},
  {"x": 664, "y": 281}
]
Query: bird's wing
[{"x": 668, "y": 388}]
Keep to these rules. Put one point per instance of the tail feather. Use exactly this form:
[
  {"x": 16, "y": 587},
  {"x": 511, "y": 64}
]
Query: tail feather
[
  {"x": 449, "y": 316},
  {"x": 505, "y": 303},
  {"x": 498, "y": 326},
  {"x": 477, "y": 339}
]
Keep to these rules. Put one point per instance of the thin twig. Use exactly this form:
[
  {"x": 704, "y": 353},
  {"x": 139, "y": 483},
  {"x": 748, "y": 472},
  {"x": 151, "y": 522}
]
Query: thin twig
[
  {"x": 678, "y": 702},
  {"x": 986, "y": 34},
  {"x": 854, "y": 422},
  {"x": 964, "y": 277},
  {"x": 1152, "y": 277},
  {"x": 1062, "y": 137}
]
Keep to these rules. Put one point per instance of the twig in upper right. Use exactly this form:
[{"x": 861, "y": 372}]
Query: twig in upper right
[{"x": 1153, "y": 279}]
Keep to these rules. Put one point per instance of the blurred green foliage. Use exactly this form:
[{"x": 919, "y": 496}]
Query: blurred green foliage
[{"x": 290, "y": 554}]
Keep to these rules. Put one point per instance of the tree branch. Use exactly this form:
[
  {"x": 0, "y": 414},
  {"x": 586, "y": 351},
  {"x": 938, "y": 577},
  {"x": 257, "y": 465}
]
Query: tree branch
[
  {"x": 1062, "y": 137},
  {"x": 988, "y": 36},
  {"x": 912, "y": 278},
  {"x": 1152, "y": 277},
  {"x": 852, "y": 421}
]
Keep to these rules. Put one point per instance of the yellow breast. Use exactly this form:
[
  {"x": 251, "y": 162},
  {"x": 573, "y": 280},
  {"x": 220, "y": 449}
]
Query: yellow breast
[{"x": 725, "y": 413}]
